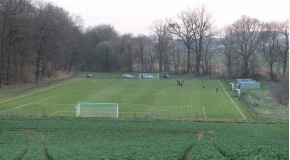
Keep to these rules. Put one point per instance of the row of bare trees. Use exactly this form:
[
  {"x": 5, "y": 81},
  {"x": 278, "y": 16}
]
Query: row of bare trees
[
  {"x": 38, "y": 37},
  {"x": 255, "y": 44},
  {"x": 244, "y": 48}
]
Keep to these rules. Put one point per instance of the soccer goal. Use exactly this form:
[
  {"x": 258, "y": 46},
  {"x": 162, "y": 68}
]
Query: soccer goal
[
  {"x": 148, "y": 75},
  {"x": 84, "y": 109}
]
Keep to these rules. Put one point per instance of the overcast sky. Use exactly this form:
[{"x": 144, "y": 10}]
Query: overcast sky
[{"x": 135, "y": 16}]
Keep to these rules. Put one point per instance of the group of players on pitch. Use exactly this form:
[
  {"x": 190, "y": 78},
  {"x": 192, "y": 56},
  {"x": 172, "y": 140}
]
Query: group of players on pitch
[{"x": 181, "y": 83}]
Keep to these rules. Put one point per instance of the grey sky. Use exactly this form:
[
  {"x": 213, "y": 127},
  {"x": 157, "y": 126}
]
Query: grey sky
[{"x": 135, "y": 16}]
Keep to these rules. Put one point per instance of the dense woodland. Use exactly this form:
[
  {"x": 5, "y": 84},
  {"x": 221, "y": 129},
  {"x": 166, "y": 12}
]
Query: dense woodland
[{"x": 37, "y": 38}]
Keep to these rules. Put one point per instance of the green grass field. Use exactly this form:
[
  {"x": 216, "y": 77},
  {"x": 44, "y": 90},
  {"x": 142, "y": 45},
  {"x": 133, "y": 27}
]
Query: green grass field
[{"x": 161, "y": 98}]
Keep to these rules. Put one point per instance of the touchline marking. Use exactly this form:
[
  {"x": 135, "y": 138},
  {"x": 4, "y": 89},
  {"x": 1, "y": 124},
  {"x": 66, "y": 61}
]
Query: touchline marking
[
  {"x": 14, "y": 108},
  {"x": 60, "y": 111},
  {"x": 39, "y": 91},
  {"x": 232, "y": 100},
  {"x": 52, "y": 104},
  {"x": 204, "y": 113},
  {"x": 54, "y": 113}
]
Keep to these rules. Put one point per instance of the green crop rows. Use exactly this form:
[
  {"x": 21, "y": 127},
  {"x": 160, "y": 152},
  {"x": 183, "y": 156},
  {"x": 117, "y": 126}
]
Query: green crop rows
[{"x": 82, "y": 138}]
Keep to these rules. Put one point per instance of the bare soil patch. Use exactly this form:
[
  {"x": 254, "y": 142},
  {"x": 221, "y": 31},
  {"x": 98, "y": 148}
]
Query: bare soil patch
[
  {"x": 62, "y": 74},
  {"x": 200, "y": 134},
  {"x": 42, "y": 135}
]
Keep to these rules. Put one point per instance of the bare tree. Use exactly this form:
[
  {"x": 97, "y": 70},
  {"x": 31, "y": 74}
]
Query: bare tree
[
  {"x": 141, "y": 42},
  {"x": 151, "y": 54},
  {"x": 176, "y": 54},
  {"x": 229, "y": 51},
  {"x": 283, "y": 43},
  {"x": 246, "y": 32},
  {"x": 268, "y": 46},
  {"x": 9, "y": 9},
  {"x": 209, "y": 48},
  {"x": 203, "y": 24},
  {"x": 44, "y": 36},
  {"x": 280, "y": 91},
  {"x": 182, "y": 28},
  {"x": 161, "y": 39},
  {"x": 192, "y": 27},
  {"x": 127, "y": 50}
]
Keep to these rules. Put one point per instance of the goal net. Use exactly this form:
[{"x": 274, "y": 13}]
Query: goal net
[
  {"x": 148, "y": 75},
  {"x": 84, "y": 109}
]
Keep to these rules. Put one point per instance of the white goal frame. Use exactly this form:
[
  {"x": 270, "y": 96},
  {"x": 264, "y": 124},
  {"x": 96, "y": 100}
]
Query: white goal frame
[{"x": 84, "y": 109}]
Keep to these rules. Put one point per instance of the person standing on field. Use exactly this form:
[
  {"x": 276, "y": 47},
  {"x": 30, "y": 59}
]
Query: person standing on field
[{"x": 217, "y": 89}]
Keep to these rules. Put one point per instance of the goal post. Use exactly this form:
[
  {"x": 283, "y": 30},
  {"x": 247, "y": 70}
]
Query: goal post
[
  {"x": 148, "y": 75},
  {"x": 84, "y": 109}
]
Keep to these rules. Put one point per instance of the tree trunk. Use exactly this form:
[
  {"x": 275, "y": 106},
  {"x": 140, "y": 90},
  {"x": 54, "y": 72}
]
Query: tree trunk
[
  {"x": 246, "y": 69},
  {"x": 43, "y": 68},
  {"x": 37, "y": 68},
  {"x": 1, "y": 67},
  {"x": 271, "y": 72},
  {"x": 8, "y": 68},
  {"x": 21, "y": 68},
  {"x": 188, "y": 59},
  {"x": 70, "y": 65},
  {"x": 160, "y": 61}
]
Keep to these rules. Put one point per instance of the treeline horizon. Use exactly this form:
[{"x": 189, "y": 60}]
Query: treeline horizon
[{"x": 37, "y": 38}]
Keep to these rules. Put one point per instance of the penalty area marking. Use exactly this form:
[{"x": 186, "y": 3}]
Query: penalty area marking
[
  {"x": 60, "y": 111},
  {"x": 232, "y": 100},
  {"x": 14, "y": 108},
  {"x": 38, "y": 104},
  {"x": 39, "y": 91}
]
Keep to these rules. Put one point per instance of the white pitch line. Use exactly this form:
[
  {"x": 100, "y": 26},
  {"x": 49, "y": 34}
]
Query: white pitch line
[
  {"x": 54, "y": 113},
  {"x": 38, "y": 91},
  {"x": 63, "y": 104},
  {"x": 61, "y": 111},
  {"x": 232, "y": 100},
  {"x": 14, "y": 108},
  {"x": 204, "y": 113}
]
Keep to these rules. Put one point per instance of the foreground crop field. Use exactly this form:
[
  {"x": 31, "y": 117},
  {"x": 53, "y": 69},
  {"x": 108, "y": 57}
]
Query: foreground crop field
[
  {"x": 161, "y": 98},
  {"x": 92, "y": 138}
]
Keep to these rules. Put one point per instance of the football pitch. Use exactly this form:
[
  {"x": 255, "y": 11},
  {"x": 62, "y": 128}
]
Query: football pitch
[{"x": 161, "y": 98}]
